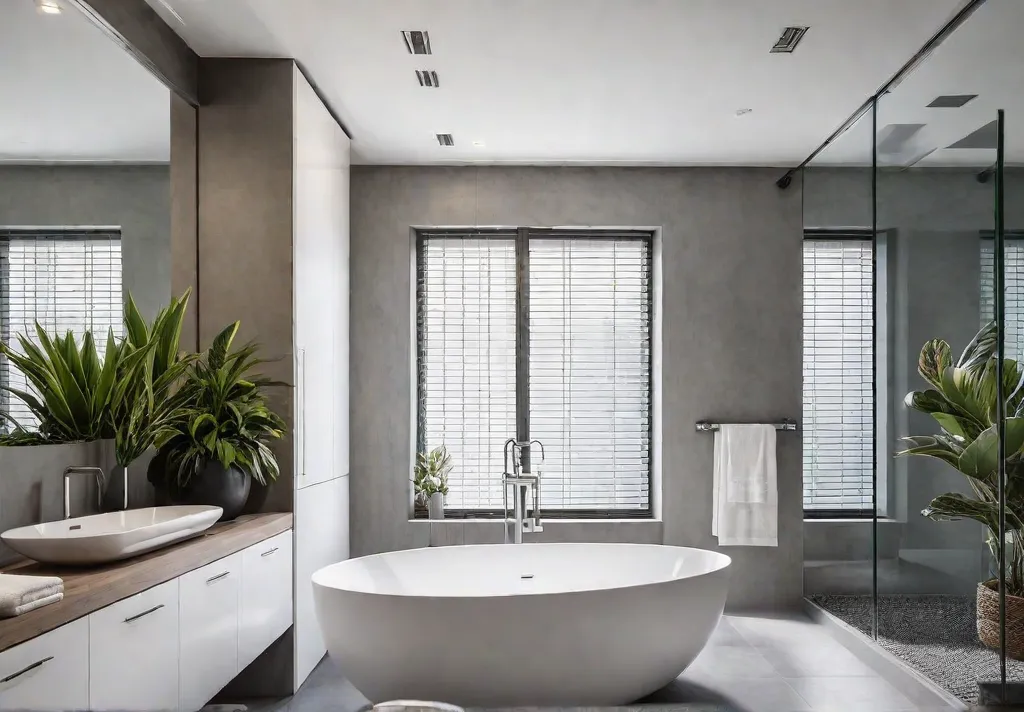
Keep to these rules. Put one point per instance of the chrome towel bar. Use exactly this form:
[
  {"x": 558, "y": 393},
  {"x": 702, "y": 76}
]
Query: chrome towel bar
[{"x": 706, "y": 426}]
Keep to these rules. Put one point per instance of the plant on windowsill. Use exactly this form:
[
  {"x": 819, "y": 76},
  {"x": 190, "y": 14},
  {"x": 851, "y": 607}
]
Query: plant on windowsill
[
  {"x": 430, "y": 479},
  {"x": 963, "y": 401},
  {"x": 217, "y": 440}
]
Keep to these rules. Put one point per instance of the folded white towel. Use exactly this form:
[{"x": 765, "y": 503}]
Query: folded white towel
[
  {"x": 745, "y": 488},
  {"x": 20, "y": 594}
]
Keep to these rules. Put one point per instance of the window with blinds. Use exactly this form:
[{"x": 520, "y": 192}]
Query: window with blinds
[
  {"x": 1013, "y": 280},
  {"x": 67, "y": 280},
  {"x": 586, "y": 300},
  {"x": 838, "y": 374}
]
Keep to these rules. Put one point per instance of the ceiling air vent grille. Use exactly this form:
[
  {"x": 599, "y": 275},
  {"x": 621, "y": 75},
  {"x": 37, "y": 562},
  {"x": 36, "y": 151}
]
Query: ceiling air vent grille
[
  {"x": 445, "y": 139},
  {"x": 951, "y": 101},
  {"x": 789, "y": 39},
  {"x": 417, "y": 41},
  {"x": 427, "y": 78}
]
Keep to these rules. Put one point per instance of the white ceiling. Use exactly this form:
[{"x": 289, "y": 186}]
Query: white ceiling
[
  {"x": 984, "y": 57},
  {"x": 70, "y": 94},
  {"x": 586, "y": 81}
]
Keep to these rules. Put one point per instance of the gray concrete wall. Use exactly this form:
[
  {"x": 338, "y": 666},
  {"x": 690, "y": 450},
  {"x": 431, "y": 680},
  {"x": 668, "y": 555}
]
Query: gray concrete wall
[
  {"x": 731, "y": 306},
  {"x": 933, "y": 219},
  {"x": 135, "y": 198},
  {"x": 245, "y": 271}
]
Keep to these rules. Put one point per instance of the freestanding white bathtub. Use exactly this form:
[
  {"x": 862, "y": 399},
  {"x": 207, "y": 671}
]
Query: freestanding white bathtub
[{"x": 506, "y": 625}]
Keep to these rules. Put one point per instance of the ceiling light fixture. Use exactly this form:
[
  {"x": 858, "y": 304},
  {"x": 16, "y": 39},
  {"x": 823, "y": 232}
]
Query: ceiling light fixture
[
  {"x": 445, "y": 140},
  {"x": 789, "y": 39},
  {"x": 417, "y": 41},
  {"x": 479, "y": 144},
  {"x": 48, "y": 7}
]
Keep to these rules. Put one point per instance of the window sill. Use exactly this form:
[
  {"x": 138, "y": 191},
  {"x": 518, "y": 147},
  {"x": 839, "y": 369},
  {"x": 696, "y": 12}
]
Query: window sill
[{"x": 851, "y": 520}]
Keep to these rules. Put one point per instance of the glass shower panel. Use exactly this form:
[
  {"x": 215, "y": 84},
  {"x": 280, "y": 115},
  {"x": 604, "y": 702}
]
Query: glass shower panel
[
  {"x": 935, "y": 153},
  {"x": 841, "y": 292}
]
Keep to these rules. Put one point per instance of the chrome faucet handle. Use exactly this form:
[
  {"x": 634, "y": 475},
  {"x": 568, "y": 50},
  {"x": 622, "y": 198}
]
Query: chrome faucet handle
[{"x": 79, "y": 470}]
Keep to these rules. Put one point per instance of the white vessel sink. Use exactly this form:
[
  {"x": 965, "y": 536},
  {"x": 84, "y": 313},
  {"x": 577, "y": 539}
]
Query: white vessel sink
[{"x": 101, "y": 538}]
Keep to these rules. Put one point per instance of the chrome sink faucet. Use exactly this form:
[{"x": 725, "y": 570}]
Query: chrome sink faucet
[
  {"x": 519, "y": 480},
  {"x": 68, "y": 472}
]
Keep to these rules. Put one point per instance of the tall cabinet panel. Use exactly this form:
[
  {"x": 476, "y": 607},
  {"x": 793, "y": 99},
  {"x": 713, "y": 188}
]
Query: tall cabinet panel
[{"x": 321, "y": 220}]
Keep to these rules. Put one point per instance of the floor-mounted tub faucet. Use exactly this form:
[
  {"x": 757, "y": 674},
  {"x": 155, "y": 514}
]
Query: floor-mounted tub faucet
[
  {"x": 524, "y": 486},
  {"x": 68, "y": 472}
]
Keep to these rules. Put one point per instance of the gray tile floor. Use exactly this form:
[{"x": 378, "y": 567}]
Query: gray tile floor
[{"x": 751, "y": 664}]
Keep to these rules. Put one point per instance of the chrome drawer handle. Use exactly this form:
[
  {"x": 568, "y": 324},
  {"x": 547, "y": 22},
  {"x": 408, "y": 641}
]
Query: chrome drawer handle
[
  {"x": 218, "y": 577},
  {"x": 154, "y": 609},
  {"x": 268, "y": 553},
  {"x": 30, "y": 668}
]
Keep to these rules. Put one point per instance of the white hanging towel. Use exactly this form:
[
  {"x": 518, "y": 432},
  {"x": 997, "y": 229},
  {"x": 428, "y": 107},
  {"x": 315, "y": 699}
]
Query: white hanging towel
[{"x": 745, "y": 491}]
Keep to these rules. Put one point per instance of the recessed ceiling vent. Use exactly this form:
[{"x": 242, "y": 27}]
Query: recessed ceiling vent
[
  {"x": 790, "y": 38},
  {"x": 445, "y": 139},
  {"x": 417, "y": 41},
  {"x": 985, "y": 138},
  {"x": 951, "y": 101},
  {"x": 427, "y": 78}
]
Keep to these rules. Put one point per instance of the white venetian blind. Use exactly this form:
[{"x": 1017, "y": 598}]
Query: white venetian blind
[
  {"x": 838, "y": 357},
  {"x": 1013, "y": 280},
  {"x": 590, "y": 369},
  {"x": 466, "y": 322},
  {"x": 67, "y": 280}
]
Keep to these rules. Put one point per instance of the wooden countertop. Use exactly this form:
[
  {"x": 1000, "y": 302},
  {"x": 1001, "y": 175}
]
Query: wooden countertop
[{"x": 89, "y": 589}]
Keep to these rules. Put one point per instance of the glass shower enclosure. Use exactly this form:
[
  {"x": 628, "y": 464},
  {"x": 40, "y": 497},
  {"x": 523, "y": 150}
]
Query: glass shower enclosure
[{"x": 913, "y": 412}]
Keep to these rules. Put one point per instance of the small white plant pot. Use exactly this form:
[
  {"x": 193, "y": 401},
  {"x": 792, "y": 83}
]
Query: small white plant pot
[{"x": 435, "y": 506}]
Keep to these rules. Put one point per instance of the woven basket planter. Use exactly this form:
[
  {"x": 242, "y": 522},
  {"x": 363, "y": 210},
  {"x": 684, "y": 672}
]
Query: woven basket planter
[{"x": 988, "y": 620}]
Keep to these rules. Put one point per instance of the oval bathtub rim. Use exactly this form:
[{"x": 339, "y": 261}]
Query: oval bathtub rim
[{"x": 724, "y": 560}]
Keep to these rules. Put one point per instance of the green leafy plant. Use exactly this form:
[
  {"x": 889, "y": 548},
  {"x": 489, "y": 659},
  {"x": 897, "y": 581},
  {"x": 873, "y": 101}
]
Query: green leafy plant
[
  {"x": 151, "y": 396},
  {"x": 128, "y": 397},
  {"x": 223, "y": 416},
  {"x": 430, "y": 474},
  {"x": 75, "y": 393},
  {"x": 963, "y": 400}
]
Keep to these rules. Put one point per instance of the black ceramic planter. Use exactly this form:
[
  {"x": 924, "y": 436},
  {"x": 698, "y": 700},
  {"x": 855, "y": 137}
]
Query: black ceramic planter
[{"x": 227, "y": 489}]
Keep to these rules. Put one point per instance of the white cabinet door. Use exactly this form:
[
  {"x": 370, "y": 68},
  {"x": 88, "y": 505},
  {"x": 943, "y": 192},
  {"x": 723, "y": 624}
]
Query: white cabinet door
[
  {"x": 265, "y": 607},
  {"x": 133, "y": 652},
  {"x": 50, "y": 672},
  {"x": 209, "y": 630},
  {"x": 321, "y": 538}
]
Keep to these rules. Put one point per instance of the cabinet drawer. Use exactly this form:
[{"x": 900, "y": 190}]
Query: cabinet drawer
[
  {"x": 50, "y": 672},
  {"x": 133, "y": 652},
  {"x": 209, "y": 630},
  {"x": 265, "y": 607}
]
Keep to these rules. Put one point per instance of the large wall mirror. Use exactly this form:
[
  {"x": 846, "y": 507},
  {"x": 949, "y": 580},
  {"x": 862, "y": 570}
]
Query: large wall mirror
[{"x": 85, "y": 216}]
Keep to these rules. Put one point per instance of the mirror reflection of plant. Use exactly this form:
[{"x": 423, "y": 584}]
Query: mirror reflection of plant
[
  {"x": 224, "y": 416},
  {"x": 127, "y": 397},
  {"x": 963, "y": 401},
  {"x": 430, "y": 474}
]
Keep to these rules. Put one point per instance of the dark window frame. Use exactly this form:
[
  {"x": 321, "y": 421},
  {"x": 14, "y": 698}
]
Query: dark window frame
[
  {"x": 523, "y": 236},
  {"x": 7, "y": 234}
]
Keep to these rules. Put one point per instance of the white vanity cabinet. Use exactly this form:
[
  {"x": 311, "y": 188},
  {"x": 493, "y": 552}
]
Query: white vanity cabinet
[
  {"x": 133, "y": 652},
  {"x": 265, "y": 604},
  {"x": 49, "y": 672},
  {"x": 209, "y": 630}
]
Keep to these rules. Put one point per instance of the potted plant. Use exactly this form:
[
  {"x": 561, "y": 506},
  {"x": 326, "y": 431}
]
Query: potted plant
[
  {"x": 963, "y": 401},
  {"x": 430, "y": 479},
  {"x": 127, "y": 398},
  {"x": 216, "y": 442}
]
